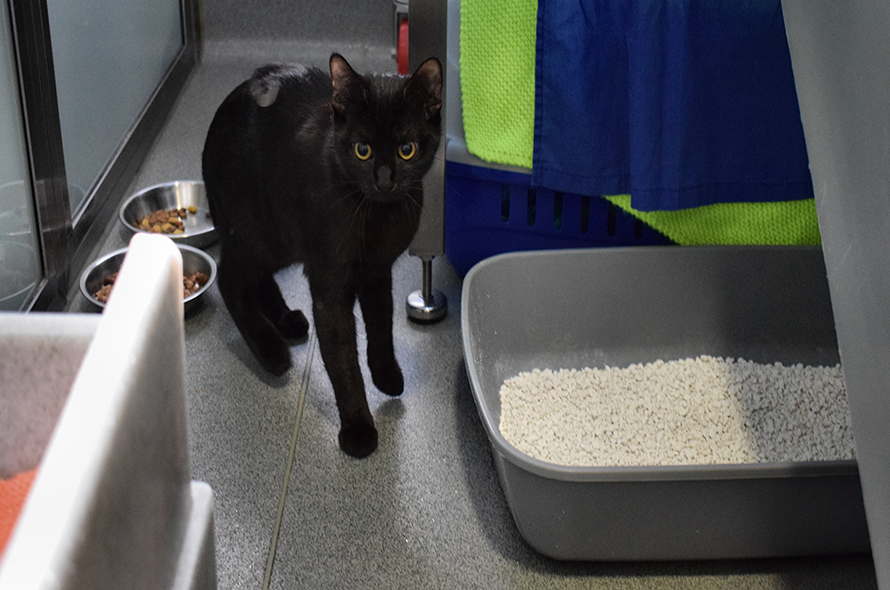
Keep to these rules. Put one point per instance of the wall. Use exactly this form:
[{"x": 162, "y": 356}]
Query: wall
[{"x": 368, "y": 22}]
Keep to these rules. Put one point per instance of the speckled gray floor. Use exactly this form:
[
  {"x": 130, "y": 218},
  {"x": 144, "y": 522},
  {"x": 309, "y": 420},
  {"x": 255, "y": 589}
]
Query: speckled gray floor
[{"x": 424, "y": 511}]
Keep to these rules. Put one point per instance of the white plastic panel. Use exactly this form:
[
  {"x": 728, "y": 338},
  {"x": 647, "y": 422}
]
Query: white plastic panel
[{"x": 841, "y": 62}]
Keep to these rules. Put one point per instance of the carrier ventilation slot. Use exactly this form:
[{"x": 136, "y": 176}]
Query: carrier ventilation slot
[
  {"x": 611, "y": 220},
  {"x": 505, "y": 203},
  {"x": 557, "y": 210},
  {"x": 585, "y": 215}
]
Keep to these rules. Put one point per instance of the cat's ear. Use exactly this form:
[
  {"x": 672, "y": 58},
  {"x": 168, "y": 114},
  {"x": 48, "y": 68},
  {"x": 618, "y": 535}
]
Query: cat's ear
[
  {"x": 425, "y": 86},
  {"x": 347, "y": 85}
]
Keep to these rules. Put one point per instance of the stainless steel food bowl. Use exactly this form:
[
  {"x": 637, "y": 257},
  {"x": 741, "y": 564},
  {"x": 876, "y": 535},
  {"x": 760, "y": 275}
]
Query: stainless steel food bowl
[
  {"x": 193, "y": 260},
  {"x": 199, "y": 231}
]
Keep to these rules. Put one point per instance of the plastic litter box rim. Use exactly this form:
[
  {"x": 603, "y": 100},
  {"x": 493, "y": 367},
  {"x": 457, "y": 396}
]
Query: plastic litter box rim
[{"x": 571, "y": 473}]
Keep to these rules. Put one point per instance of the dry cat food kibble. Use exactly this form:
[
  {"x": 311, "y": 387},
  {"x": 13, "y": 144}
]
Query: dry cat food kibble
[
  {"x": 166, "y": 221},
  {"x": 701, "y": 411},
  {"x": 191, "y": 284},
  {"x": 103, "y": 293}
]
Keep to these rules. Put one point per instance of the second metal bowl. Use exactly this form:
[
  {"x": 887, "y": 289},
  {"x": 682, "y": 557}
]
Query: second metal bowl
[
  {"x": 198, "y": 226},
  {"x": 193, "y": 260}
]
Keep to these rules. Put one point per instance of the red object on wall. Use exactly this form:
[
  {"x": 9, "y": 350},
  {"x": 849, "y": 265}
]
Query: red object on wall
[{"x": 402, "y": 50}]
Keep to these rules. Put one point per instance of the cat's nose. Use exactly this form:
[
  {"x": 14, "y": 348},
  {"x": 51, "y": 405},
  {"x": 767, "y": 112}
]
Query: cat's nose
[{"x": 384, "y": 179}]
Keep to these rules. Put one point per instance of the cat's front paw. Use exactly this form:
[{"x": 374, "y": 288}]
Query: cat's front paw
[
  {"x": 358, "y": 441},
  {"x": 388, "y": 377}
]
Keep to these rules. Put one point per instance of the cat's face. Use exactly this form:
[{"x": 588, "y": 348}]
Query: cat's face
[{"x": 386, "y": 128}]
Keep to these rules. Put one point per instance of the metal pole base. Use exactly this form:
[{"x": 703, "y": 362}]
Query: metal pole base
[
  {"x": 427, "y": 305},
  {"x": 426, "y": 309}
]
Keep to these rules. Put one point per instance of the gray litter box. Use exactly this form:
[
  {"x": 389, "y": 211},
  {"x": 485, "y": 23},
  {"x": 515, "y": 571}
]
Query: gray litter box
[{"x": 598, "y": 307}]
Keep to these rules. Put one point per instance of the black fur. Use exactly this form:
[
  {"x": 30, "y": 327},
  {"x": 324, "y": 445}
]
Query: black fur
[{"x": 286, "y": 185}]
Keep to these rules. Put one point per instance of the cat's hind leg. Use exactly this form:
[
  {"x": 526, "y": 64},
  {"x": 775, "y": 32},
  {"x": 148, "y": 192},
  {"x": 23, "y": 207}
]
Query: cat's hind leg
[
  {"x": 291, "y": 323},
  {"x": 263, "y": 337}
]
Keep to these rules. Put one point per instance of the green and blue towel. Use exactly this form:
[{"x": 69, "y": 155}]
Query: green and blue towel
[{"x": 527, "y": 103}]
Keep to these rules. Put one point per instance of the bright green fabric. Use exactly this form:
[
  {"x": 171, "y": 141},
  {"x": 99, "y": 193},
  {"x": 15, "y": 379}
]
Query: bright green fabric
[
  {"x": 773, "y": 224},
  {"x": 497, "y": 76}
]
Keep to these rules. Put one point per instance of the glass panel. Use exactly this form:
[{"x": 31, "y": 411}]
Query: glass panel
[
  {"x": 109, "y": 56},
  {"x": 20, "y": 267}
]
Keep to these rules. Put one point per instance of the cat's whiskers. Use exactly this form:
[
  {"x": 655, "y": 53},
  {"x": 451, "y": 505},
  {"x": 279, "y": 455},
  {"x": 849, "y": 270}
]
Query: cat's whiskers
[
  {"x": 409, "y": 198},
  {"x": 347, "y": 195}
]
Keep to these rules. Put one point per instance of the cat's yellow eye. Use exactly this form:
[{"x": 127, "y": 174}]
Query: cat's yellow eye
[
  {"x": 407, "y": 150},
  {"x": 362, "y": 150}
]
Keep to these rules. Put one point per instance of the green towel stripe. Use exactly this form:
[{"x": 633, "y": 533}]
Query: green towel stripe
[
  {"x": 497, "y": 76},
  {"x": 783, "y": 223}
]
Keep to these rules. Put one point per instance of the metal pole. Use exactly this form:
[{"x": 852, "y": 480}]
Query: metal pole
[
  {"x": 428, "y": 38},
  {"x": 427, "y": 305}
]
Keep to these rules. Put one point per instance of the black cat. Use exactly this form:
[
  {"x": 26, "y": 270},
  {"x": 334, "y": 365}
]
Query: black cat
[{"x": 325, "y": 170}]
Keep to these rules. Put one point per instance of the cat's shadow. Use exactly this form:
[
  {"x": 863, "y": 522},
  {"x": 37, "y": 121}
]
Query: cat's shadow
[
  {"x": 392, "y": 409},
  {"x": 387, "y": 411},
  {"x": 239, "y": 349}
]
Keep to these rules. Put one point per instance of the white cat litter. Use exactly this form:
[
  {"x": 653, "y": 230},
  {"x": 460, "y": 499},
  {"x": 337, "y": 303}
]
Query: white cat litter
[{"x": 698, "y": 411}]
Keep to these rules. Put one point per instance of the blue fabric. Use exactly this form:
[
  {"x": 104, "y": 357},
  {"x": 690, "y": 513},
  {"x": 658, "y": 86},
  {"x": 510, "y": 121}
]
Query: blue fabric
[{"x": 680, "y": 103}]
